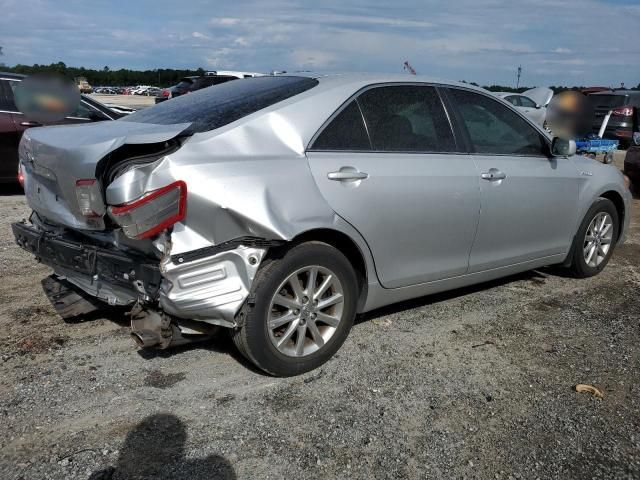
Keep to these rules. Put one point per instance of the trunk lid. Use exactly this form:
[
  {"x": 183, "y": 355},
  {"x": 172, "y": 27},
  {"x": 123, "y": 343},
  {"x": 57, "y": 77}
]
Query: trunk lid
[
  {"x": 541, "y": 95},
  {"x": 55, "y": 158}
]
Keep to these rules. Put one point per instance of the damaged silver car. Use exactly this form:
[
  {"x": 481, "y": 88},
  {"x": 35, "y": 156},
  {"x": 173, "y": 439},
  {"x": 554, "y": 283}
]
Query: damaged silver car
[{"x": 279, "y": 207}]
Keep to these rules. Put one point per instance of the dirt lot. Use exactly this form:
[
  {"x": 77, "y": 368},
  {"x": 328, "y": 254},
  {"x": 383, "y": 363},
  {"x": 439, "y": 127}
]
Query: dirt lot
[{"x": 476, "y": 383}]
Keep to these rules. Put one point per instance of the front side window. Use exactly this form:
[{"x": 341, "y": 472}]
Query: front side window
[
  {"x": 406, "y": 118},
  {"x": 493, "y": 128},
  {"x": 345, "y": 132}
]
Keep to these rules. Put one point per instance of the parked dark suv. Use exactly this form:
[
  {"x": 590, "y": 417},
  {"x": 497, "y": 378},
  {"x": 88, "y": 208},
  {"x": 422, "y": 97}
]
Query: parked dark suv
[
  {"x": 191, "y": 84},
  {"x": 13, "y": 123},
  {"x": 625, "y": 107}
]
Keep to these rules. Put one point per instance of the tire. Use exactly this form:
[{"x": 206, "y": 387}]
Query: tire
[
  {"x": 269, "y": 348},
  {"x": 583, "y": 246}
]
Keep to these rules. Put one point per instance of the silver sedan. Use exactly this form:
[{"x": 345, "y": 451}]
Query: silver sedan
[{"x": 280, "y": 207}]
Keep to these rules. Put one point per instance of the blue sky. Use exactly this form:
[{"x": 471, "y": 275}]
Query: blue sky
[{"x": 573, "y": 42}]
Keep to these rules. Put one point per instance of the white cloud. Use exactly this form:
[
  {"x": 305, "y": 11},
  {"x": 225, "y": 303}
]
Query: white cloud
[{"x": 201, "y": 36}]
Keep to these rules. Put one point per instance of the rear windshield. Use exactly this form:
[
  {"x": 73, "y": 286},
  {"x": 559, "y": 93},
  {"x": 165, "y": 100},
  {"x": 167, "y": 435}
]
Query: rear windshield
[
  {"x": 220, "y": 105},
  {"x": 185, "y": 83},
  {"x": 608, "y": 100}
]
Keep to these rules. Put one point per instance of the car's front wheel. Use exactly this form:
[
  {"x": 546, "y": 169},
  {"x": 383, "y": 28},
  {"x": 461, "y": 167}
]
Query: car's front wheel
[
  {"x": 300, "y": 312},
  {"x": 594, "y": 243}
]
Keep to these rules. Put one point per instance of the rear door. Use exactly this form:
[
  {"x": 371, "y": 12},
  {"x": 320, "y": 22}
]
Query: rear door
[
  {"x": 388, "y": 163},
  {"x": 528, "y": 200}
]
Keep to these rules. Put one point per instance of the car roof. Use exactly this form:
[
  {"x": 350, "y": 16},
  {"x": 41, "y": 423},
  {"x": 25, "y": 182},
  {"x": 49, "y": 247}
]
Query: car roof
[
  {"x": 12, "y": 76},
  {"x": 507, "y": 94},
  {"x": 617, "y": 92},
  {"x": 343, "y": 79}
]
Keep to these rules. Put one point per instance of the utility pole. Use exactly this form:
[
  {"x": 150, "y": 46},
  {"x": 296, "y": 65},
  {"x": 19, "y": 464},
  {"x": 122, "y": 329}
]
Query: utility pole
[{"x": 519, "y": 73}]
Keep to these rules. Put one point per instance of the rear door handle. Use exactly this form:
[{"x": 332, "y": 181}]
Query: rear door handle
[
  {"x": 30, "y": 124},
  {"x": 493, "y": 174},
  {"x": 347, "y": 175}
]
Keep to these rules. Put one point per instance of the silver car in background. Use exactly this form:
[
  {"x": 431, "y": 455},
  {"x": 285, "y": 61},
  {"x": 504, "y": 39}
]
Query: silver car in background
[
  {"x": 279, "y": 207},
  {"x": 533, "y": 103}
]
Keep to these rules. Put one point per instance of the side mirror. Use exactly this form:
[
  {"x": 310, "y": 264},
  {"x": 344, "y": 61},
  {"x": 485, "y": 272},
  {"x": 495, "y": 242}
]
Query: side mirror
[
  {"x": 538, "y": 106},
  {"x": 636, "y": 138},
  {"x": 562, "y": 148}
]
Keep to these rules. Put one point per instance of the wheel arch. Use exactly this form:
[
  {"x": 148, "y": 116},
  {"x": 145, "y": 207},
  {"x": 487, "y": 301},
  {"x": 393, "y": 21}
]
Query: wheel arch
[
  {"x": 618, "y": 202},
  {"x": 349, "y": 248}
]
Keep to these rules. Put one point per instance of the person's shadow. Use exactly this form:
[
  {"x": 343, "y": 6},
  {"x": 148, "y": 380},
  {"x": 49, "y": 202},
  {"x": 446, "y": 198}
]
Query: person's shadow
[{"x": 154, "y": 449}]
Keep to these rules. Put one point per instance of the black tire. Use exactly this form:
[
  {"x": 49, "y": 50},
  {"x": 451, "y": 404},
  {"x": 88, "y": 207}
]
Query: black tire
[
  {"x": 579, "y": 267},
  {"x": 252, "y": 336}
]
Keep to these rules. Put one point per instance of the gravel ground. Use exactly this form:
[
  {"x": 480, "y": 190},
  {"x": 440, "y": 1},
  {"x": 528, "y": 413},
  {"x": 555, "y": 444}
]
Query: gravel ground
[{"x": 475, "y": 383}]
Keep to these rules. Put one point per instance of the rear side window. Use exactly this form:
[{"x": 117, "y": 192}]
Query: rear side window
[
  {"x": 513, "y": 100},
  {"x": 345, "y": 132},
  {"x": 6, "y": 95},
  {"x": 214, "y": 107},
  {"x": 527, "y": 102},
  {"x": 406, "y": 118},
  {"x": 493, "y": 128}
]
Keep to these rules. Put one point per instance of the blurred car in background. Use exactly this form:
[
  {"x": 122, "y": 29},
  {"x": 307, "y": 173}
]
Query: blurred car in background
[
  {"x": 533, "y": 103},
  {"x": 191, "y": 84},
  {"x": 13, "y": 122},
  {"x": 83, "y": 85},
  {"x": 625, "y": 111}
]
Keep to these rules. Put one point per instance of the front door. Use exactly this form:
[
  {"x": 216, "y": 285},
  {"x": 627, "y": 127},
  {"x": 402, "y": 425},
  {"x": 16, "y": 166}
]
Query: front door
[
  {"x": 387, "y": 164},
  {"x": 528, "y": 200}
]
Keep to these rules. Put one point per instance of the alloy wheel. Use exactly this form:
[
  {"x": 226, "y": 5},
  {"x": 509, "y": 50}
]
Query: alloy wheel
[
  {"x": 305, "y": 311},
  {"x": 598, "y": 239}
]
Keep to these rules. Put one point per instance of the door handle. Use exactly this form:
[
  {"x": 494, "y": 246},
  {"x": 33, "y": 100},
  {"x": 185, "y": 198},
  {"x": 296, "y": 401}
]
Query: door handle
[
  {"x": 493, "y": 174},
  {"x": 347, "y": 175},
  {"x": 30, "y": 124}
]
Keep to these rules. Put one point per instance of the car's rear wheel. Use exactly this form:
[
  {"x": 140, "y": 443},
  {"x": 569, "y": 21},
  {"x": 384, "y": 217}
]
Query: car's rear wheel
[
  {"x": 300, "y": 312},
  {"x": 594, "y": 243}
]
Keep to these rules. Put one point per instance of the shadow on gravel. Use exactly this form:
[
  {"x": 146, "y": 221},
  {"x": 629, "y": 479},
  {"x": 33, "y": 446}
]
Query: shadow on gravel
[
  {"x": 534, "y": 276},
  {"x": 220, "y": 343},
  {"x": 155, "y": 449}
]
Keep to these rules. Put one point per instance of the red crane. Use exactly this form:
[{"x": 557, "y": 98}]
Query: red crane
[{"x": 407, "y": 66}]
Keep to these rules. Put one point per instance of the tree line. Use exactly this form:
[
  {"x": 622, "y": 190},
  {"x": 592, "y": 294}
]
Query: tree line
[
  {"x": 164, "y": 77},
  {"x": 161, "y": 77}
]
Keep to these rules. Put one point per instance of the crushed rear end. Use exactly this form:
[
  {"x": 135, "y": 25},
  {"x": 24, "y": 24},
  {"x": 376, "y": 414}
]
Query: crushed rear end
[{"x": 103, "y": 220}]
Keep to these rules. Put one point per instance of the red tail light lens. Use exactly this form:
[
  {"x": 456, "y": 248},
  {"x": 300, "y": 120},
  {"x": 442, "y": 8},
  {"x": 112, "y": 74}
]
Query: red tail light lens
[
  {"x": 624, "y": 111},
  {"x": 153, "y": 213},
  {"x": 165, "y": 93},
  {"x": 20, "y": 176}
]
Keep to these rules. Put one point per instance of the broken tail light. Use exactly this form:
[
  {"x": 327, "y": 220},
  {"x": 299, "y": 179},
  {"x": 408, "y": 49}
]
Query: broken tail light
[
  {"x": 152, "y": 213},
  {"x": 89, "y": 198}
]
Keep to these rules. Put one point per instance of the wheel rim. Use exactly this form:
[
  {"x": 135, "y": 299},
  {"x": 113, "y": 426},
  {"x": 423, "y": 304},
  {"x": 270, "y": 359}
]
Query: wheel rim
[
  {"x": 305, "y": 311},
  {"x": 597, "y": 241}
]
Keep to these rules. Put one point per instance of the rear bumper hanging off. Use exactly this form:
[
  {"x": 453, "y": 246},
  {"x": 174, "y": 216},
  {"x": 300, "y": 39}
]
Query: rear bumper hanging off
[{"x": 207, "y": 288}]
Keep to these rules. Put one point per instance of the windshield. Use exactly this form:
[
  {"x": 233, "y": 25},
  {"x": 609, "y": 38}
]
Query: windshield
[{"x": 222, "y": 104}]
